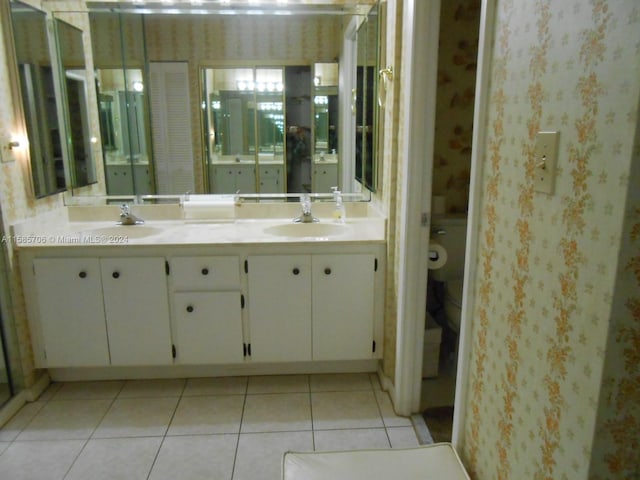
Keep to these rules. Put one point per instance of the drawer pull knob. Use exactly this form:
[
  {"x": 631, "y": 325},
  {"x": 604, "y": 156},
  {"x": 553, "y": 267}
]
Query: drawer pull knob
[
  {"x": 190, "y": 308},
  {"x": 296, "y": 271},
  {"x": 115, "y": 274},
  {"x": 205, "y": 271},
  {"x": 82, "y": 274},
  {"x": 327, "y": 271}
]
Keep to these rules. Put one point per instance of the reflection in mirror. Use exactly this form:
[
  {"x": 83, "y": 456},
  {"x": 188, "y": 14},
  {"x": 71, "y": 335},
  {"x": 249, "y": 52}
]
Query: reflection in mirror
[
  {"x": 244, "y": 121},
  {"x": 230, "y": 129},
  {"x": 74, "y": 90},
  {"x": 38, "y": 98},
  {"x": 289, "y": 44},
  {"x": 366, "y": 111},
  {"x": 121, "y": 108},
  {"x": 325, "y": 127}
]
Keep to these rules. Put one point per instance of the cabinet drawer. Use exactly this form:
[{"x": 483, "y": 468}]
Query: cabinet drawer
[{"x": 205, "y": 273}]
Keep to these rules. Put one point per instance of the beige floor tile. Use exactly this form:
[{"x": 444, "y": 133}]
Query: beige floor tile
[
  {"x": 402, "y": 437},
  {"x": 216, "y": 386},
  {"x": 277, "y": 412},
  {"x": 171, "y": 387},
  {"x": 47, "y": 460},
  {"x": 66, "y": 420},
  {"x": 88, "y": 390},
  {"x": 278, "y": 384},
  {"x": 375, "y": 381},
  {"x": 260, "y": 454},
  {"x": 335, "y": 440},
  {"x": 115, "y": 458},
  {"x": 20, "y": 420},
  {"x": 207, "y": 415},
  {"x": 389, "y": 416},
  {"x": 137, "y": 417},
  {"x": 345, "y": 410},
  {"x": 340, "y": 382},
  {"x": 199, "y": 457}
]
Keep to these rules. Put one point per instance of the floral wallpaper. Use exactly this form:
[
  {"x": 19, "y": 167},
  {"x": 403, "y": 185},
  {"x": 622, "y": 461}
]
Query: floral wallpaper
[
  {"x": 549, "y": 279},
  {"x": 457, "y": 62}
]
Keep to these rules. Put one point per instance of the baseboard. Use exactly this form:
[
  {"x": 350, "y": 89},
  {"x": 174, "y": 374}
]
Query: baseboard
[{"x": 191, "y": 371}]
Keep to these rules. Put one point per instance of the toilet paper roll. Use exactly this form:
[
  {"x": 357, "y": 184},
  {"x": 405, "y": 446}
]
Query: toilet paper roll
[{"x": 437, "y": 256}]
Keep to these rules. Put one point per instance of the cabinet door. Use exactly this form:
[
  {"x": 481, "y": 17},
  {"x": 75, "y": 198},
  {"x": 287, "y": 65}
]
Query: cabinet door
[
  {"x": 224, "y": 179},
  {"x": 71, "y": 312},
  {"x": 280, "y": 307},
  {"x": 342, "y": 313},
  {"x": 205, "y": 273},
  {"x": 208, "y": 327},
  {"x": 137, "y": 310},
  {"x": 245, "y": 179}
]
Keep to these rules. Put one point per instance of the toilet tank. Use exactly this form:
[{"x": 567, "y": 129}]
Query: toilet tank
[{"x": 450, "y": 231}]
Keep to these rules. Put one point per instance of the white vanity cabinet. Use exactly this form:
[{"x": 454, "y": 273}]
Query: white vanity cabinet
[
  {"x": 103, "y": 311},
  {"x": 230, "y": 178},
  {"x": 71, "y": 312},
  {"x": 207, "y": 309},
  {"x": 312, "y": 307},
  {"x": 137, "y": 310},
  {"x": 271, "y": 178},
  {"x": 279, "y": 307},
  {"x": 342, "y": 305}
]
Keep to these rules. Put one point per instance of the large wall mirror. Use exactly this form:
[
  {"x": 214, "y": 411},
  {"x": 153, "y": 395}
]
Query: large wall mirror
[
  {"x": 262, "y": 91},
  {"x": 73, "y": 81},
  {"x": 40, "y": 109}
]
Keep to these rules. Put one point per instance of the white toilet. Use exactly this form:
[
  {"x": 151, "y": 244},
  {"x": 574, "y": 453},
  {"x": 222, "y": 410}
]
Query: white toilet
[{"x": 450, "y": 231}]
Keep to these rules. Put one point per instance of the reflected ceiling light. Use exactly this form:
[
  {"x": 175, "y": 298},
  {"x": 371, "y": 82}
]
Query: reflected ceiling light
[
  {"x": 316, "y": 80},
  {"x": 138, "y": 86}
]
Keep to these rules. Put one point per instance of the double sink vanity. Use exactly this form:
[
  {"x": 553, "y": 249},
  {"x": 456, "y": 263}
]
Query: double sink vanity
[{"x": 203, "y": 288}]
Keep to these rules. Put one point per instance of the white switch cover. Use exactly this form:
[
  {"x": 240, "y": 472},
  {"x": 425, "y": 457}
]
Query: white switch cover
[{"x": 546, "y": 159}]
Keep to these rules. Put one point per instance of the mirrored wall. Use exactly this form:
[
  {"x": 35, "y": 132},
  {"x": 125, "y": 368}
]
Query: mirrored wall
[{"x": 257, "y": 127}]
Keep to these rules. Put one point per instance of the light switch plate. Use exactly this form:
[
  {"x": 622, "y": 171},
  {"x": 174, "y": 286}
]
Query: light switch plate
[{"x": 546, "y": 160}]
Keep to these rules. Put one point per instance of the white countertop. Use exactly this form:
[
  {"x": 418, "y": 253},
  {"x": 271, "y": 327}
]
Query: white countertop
[{"x": 59, "y": 232}]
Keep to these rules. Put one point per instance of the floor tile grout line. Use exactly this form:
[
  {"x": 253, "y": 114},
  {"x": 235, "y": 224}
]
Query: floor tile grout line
[
  {"x": 244, "y": 404},
  {"x": 164, "y": 436},
  {"x": 384, "y": 424},
  {"x": 313, "y": 427},
  {"x": 93, "y": 431}
]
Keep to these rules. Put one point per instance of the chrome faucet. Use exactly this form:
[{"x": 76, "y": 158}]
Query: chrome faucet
[
  {"x": 128, "y": 218},
  {"x": 306, "y": 216}
]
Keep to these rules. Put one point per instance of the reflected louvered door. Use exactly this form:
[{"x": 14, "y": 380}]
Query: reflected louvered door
[{"x": 171, "y": 127}]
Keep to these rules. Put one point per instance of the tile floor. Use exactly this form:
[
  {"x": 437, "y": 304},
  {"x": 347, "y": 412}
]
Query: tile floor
[{"x": 199, "y": 428}]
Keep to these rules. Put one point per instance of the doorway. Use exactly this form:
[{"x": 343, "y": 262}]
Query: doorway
[{"x": 454, "y": 115}]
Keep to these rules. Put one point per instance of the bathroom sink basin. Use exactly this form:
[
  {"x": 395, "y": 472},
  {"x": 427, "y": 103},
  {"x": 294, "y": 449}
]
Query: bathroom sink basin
[
  {"x": 119, "y": 233},
  {"x": 315, "y": 230}
]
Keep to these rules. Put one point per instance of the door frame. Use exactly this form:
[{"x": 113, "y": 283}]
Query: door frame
[{"x": 421, "y": 22}]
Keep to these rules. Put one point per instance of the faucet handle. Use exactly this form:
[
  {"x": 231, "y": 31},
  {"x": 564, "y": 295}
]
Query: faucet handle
[{"x": 124, "y": 209}]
